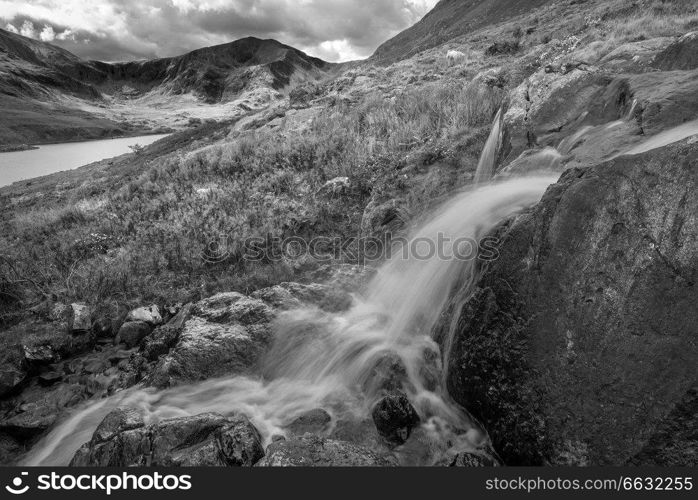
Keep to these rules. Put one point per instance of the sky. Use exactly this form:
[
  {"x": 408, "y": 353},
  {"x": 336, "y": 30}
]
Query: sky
[{"x": 123, "y": 30}]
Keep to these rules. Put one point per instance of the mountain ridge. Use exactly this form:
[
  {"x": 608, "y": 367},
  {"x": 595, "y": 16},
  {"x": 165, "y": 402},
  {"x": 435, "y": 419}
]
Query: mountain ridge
[{"x": 46, "y": 77}]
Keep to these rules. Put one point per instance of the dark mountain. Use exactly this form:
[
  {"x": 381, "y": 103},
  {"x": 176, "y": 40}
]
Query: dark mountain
[
  {"x": 29, "y": 68},
  {"x": 214, "y": 73},
  {"x": 39, "y": 84},
  {"x": 217, "y": 73},
  {"x": 448, "y": 20}
]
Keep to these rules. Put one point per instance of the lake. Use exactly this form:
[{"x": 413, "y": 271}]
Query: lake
[{"x": 21, "y": 165}]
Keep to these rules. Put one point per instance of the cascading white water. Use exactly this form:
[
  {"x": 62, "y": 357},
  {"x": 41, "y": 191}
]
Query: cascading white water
[
  {"x": 533, "y": 162},
  {"x": 323, "y": 360},
  {"x": 665, "y": 138},
  {"x": 570, "y": 142},
  {"x": 488, "y": 157}
]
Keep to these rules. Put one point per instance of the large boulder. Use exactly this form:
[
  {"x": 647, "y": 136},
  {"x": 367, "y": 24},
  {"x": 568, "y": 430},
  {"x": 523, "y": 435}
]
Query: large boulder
[
  {"x": 43, "y": 343},
  {"x": 232, "y": 307},
  {"x": 578, "y": 344},
  {"x": 40, "y": 355},
  {"x": 207, "y": 350},
  {"x": 37, "y": 410},
  {"x": 226, "y": 335},
  {"x": 550, "y": 104},
  {"x": 132, "y": 333},
  {"x": 316, "y": 421},
  {"x": 314, "y": 451},
  {"x": 633, "y": 57},
  {"x": 150, "y": 315},
  {"x": 664, "y": 99},
  {"x": 208, "y": 440},
  {"x": 395, "y": 417},
  {"x": 681, "y": 55}
]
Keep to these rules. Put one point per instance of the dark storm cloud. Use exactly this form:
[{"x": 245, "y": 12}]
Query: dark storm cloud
[{"x": 136, "y": 29}]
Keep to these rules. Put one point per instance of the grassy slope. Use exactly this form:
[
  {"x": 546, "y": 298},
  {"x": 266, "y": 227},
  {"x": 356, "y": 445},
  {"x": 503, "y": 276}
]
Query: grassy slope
[
  {"x": 451, "y": 19},
  {"x": 33, "y": 122},
  {"x": 134, "y": 231}
]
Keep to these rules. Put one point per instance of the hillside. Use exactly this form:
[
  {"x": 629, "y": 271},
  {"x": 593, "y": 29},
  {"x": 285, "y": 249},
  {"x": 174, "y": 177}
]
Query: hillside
[
  {"x": 448, "y": 20},
  {"x": 565, "y": 135},
  {"x": 43, "y": 85}
]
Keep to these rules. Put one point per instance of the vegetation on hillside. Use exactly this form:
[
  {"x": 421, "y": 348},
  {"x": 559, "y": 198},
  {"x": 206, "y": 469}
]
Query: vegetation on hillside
[
  {"x": 145, "y": 238},
  {"x": 137, "y": 229}
]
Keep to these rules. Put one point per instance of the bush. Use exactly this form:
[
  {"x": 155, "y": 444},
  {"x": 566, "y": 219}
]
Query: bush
[
  {"x": 137, "y": 148},
  {"x": 503, "y": 48}
]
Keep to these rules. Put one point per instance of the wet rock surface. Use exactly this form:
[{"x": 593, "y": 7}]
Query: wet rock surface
[
  {"x": 395, "y": 417},
  {"x": 578, "y": 345},
  {"x": 294, "y": 295},
  {"x": 388, "y": 375},
  {"x": 313, "y": 422},
  {"x": 208, "y": 440},
  {"x": 206, "y": 350},
  {"x": 550, "y": 104}
]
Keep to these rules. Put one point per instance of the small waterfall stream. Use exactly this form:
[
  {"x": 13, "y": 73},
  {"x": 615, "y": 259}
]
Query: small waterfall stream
[
  {"x": 324, "y": 360},
  {"x": 488, "y": 157}
]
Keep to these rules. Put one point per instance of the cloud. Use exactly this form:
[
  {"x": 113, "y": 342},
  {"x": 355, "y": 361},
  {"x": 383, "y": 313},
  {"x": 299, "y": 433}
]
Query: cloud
[
  {"x": 27, "y": 29},
  {"x": 47, "y": 34},
  {"x": 137, "y": 29}
]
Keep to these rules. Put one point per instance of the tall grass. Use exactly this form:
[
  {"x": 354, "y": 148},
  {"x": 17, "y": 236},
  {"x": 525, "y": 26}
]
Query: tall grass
[
  {"x": 145, "y": 240},
  {"x": 611, "y": 26}
]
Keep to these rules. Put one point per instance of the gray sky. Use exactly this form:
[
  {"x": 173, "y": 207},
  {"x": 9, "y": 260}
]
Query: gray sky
[{"x": 119, "y": 30}]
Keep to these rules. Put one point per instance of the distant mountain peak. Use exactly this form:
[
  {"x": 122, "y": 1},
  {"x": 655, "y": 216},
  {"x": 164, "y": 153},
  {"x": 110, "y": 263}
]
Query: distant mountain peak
[{"x": 35, "y": 75}]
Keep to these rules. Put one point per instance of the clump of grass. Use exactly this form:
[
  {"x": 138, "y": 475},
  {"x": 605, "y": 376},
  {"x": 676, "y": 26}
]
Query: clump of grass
[
  {"x": 609, "y": 27},
  {"x": 37, "y": 222},
  {"x": 505, "y": 47}
]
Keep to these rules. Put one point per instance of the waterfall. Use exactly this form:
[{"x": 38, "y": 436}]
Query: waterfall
[
  {"x": 488, "y": 157},
  {"x": 328, "y": 360},
  {"x": 666, "y": 137}
]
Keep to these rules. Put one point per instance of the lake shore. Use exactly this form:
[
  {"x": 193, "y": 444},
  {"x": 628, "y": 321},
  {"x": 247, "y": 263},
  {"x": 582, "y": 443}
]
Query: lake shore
[
  {"x": 13, "y": 148},
  {"x": 40, "y": 161}
]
